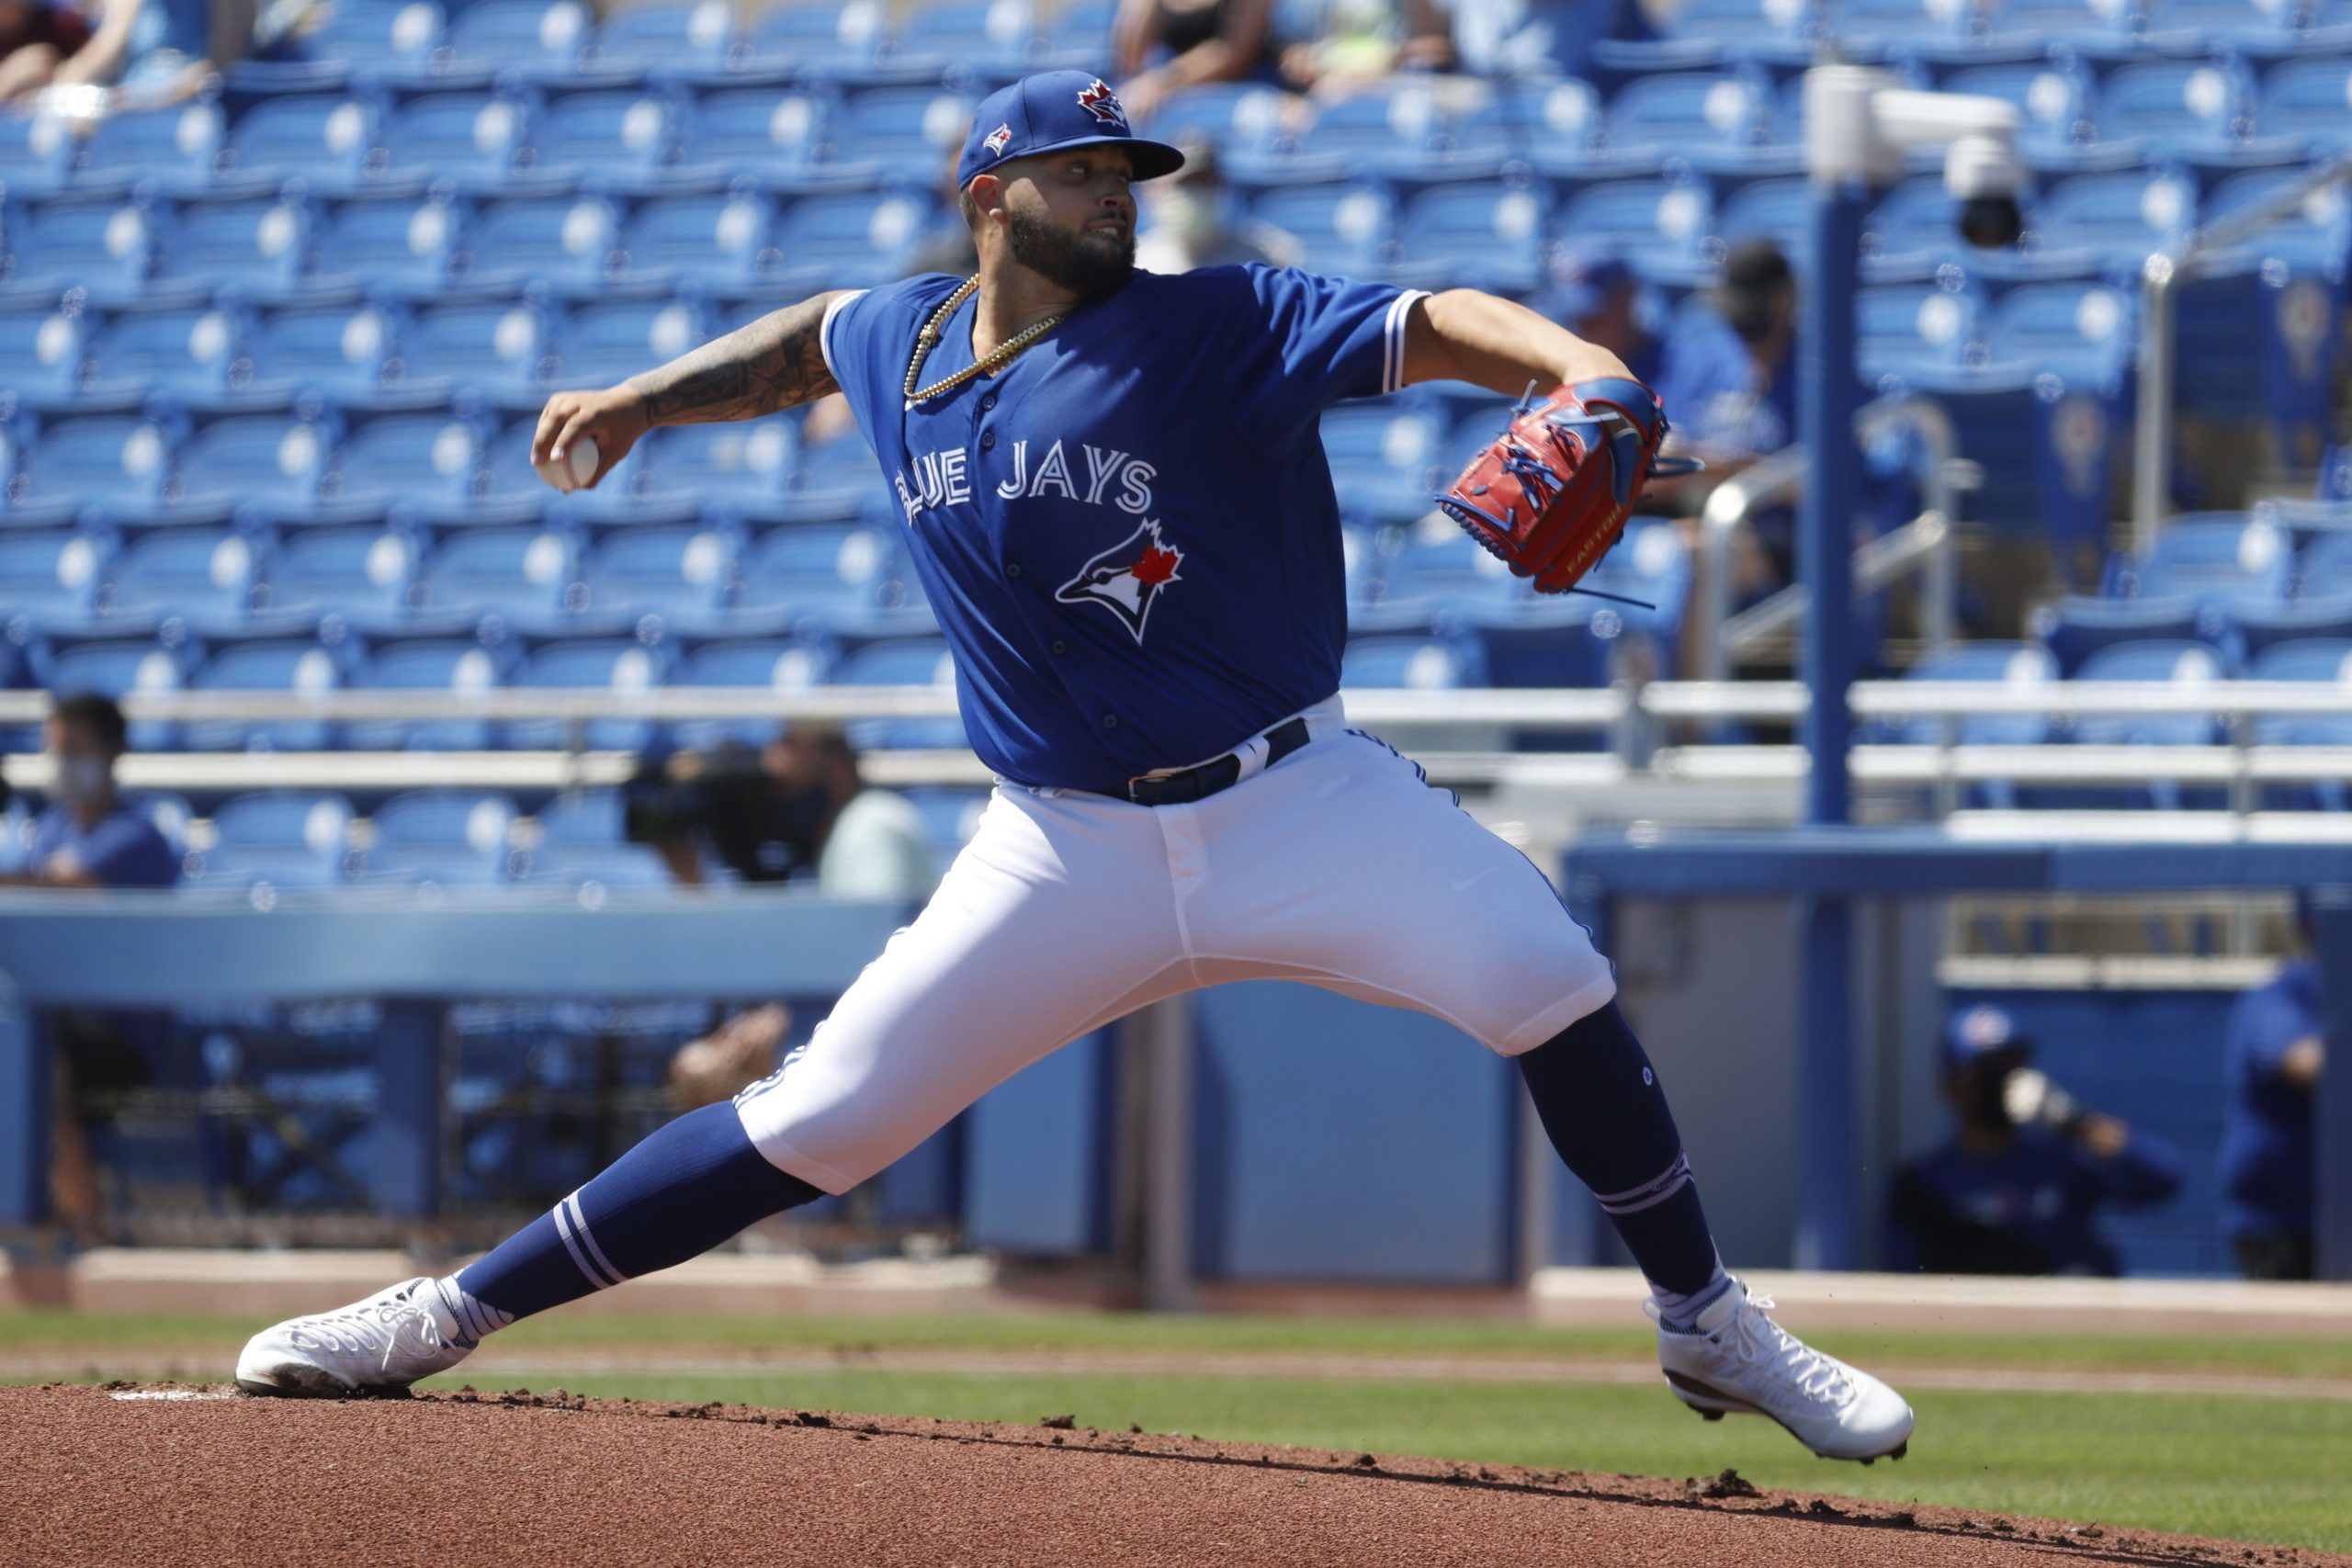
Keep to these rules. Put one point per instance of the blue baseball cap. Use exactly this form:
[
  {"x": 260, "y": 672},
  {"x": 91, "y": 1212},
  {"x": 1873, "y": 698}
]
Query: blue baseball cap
[
  {"x": 1975, "y": 1032},
  {"x": 1581, "y": 283},
  {"x": 1052, "y": 110}
]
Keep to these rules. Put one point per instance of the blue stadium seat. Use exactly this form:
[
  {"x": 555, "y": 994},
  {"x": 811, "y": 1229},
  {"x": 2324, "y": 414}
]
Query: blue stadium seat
[
  {"x": 564, "y": 243},
  {"x": 185, "y": 352},
  {"x": 207, "y": 577},
  {"x": 846, "y": 242},
  {"x": 1437, "y": 568},
  {"x": 1650, "y": 563},
  {"x": 581, "y": 839},
  {"x": 2197, "y": 110},
  {"x": 115, "y": 463},
  {"x": 421, "y": 458},
  {"x": 742, "y": 466},
  {"x": 301, "y": 668},
  {"x": 915, "y": 131},
  {"x": 2326, "y": 568},
  {"x": 325, "y": 140},
  {"x": 2055, "y": 128},
  {"x": 828, "y": 43},
  {"x": 117, "y": 670},
  {"x": 996, "y": 39},
  {"x": 539, "y": 39},
  {"x": 618, "y": 664},
  {"x": 778, "y": 664},
  {"x": 664, "y": 571},
  {"x": 392, "y": 38},
  {"x": 399, "y": 247},
  {"x": 826, "y": 573},
  {"x": 2097, "y": 29},
  {"x": 104, "y": 248},
  {"x": 2077, "y": 626},
  {"x": 626, "y": 141},
  {"x": 522, "y": 575},
  {"x": 950, "y": 817},
  {"x": 2004, "y": 663},
  {"x": 287, "y": 837},
  {"x": 2307, "y": 98},
  {"x": 778, "y": 136},
  {"x": 53, "y": 576},
  {"x": 477, "y": 141},
  {"x": 910, "y": 662},
  {"x": 1903, "y": 327},
  {"x": 2265, "y": 27},
  {"x": 1417, "y": 663},
  {"x": 502, "y": 351},
  {"x": 1910, "y": 232},
  {"x": 2121, "y": 217},
  {"x": 2080, "y": 331},
  {"x": 1384, "y": 458},
  {"x": 1344, "y": 230},
  {"x": 662, "y": 36},
  {"x": 36, "y": 151},
  {"x": 1778, "y": 32},
  {"x": 1525, "y": 642},
  {"x": 347, "y": 350},
  {"x": 1479, "y": 235},
  {"x": 1079, "y": 37},
  {"x": 1777, "y": 209},
  {"x": 2179, "y": 663},
  {"x": 171, "y": 151},
  {"x": 2317, "y": 233},
  {"x": 2255, "y": 627},
  {"x": 1399, "y": 127},
  {"x": 1227, "y": 115},
  {"x": 266, "y": 466},
  {"x": 361, "y": 573},
  {"x": 44, "y": 349},
  {"x": 1657, "y": 224},
  {"x": 1872, "y": 28},
  {"x": 583, "y": 818},
  {"x": 2317, "y": 660},
  {"x": 260, "y": 247},
  {"x": 450, "y": 664},
  {"x": 1709, "y": 119},
  {"x": 2216, "y": 562},
  {"x": 461, "y": 837},
  {"x": 605, "y": 344},
  {"x": 717, "y": 242}
]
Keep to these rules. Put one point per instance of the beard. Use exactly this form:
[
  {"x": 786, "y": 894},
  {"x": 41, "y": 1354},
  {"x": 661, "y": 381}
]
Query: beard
[{"x": 1092, "y": 266}]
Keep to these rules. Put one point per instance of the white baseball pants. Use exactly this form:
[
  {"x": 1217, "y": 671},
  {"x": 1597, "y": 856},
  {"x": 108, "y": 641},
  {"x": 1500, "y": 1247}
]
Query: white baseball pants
[{"x": 1339, "y": 866}]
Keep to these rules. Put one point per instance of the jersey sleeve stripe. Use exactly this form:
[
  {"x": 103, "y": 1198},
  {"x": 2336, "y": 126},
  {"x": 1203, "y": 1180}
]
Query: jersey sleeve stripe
[
  {"x": 825, "y": 334},
  {"x": 1392, "y": 339}
]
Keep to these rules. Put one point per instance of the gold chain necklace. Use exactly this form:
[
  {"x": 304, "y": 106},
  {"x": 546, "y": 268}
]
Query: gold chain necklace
[{"x": 928, "y": 339}]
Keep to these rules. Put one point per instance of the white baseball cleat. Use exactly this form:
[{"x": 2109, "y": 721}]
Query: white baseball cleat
[
  {"x": 1738, "y": 1358},
  {"x": 380, "y": 1345}
]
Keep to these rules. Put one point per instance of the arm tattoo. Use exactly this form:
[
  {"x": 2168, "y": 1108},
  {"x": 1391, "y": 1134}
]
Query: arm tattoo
[{"x": 772, "y": 364}]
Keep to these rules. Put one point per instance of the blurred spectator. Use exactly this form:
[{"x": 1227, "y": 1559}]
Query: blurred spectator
[
  {"x": 2275, "y": 1053},
  {"x": 1595, "y": 295},
  {"x": 1539, "y": 38},
  {"x": 90, "y": 838},
  {"x": 797, "y": 809},
  {"x": 136, "y": 44},
  {"x": 2017, "y": 1189},
  {"x": 1160, "y": 46},
  {"x": 1189, "y": 221},
  {"x": 1364, "y": 40}
]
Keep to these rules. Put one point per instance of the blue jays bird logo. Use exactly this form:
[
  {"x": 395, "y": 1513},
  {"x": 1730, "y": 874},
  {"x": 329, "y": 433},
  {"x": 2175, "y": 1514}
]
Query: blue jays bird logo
[
  {"x": 1126, "y": 579},
  {"x": 1097, "y": 99},
  {"x": 995, "y": 141}
]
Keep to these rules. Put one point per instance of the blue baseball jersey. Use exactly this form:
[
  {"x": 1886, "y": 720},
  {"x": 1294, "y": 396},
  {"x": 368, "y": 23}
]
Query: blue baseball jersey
[
  {"x": 1128, "y": 535},
  {"x": 2266, "y": 1148}
]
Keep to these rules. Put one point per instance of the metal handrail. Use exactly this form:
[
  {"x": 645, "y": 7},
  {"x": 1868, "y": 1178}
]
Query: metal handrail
[
  {"x": 2160, "y": 276},
  {"x": 1926, "y": 542}
]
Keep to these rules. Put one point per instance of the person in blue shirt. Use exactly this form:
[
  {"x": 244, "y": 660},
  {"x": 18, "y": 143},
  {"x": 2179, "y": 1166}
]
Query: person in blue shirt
[
  {"x": 2019, "y": 1189},
  {"x": 2275, "y": 1054},
  {"x": 1594, "y": 294},
  {"x": 89, "y": 837}
]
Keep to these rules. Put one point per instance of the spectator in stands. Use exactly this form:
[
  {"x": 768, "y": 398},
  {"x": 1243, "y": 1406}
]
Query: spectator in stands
[
  {"x": 1594, "y": 295},
  {"x": 1189, "y": 221},
  {"x": 132, "y": 43},
  {"x": 2276, "y": 1052},
  {"x": 1365, "y": 40},
  {"x": 89, "y": 837},
  {"x": 1538, "y": 38},
  {"x": 2018, "y": 1188},
  {"x": 1161, "y": 47}
]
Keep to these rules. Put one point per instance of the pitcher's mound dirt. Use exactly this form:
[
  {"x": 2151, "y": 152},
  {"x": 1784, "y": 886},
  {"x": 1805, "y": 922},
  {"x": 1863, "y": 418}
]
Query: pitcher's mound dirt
[{"x": 158, "y": 1475}]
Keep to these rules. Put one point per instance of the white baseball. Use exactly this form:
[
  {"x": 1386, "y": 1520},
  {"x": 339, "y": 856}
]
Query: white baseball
[{"x": 583, "y": 466}]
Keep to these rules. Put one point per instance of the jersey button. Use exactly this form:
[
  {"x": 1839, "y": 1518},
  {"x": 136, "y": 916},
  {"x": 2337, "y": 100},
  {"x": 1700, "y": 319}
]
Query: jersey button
[
  {"x": 1060, "y": 647},
  {"x": 988, "y": 402},
  {"x": 1012, "y": 569},
  {"x": 1109, "y": 721},
  {"x": 987, "y": 439}
]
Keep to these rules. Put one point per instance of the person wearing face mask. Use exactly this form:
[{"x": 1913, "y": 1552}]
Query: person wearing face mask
[
  {"x": 2018, "y": 1188},
  {"x": 1188, "y": 223},
  {"x": 89, "y": 837}
]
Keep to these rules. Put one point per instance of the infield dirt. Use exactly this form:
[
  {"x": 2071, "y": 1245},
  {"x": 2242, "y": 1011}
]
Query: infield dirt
[{"x": 155, "y": 1475}]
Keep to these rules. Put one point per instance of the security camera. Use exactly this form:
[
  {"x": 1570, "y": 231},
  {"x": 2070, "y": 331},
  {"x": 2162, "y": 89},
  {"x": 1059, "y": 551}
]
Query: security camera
[
  {"x": 1991, "y": 222},
  {"x": 1981, "y": 173},
  {"x": 1860, "y": 122}
]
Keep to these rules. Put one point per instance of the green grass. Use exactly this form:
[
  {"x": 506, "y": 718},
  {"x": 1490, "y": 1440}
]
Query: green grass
[{"x": 2268, "y": 1471}]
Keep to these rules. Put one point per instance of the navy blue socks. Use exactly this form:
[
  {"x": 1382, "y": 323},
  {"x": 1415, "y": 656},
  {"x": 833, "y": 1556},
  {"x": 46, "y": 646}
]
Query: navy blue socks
[
  {"x": 1604, "y": 1111},
  {"x": 686, "y": 1188}
]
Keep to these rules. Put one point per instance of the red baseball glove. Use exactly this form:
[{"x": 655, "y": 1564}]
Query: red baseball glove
[{"x": 1552, "y": 492}]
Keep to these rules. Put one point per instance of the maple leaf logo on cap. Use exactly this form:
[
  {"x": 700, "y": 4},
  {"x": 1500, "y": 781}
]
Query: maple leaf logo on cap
[{"x": 1097, "y": 99}]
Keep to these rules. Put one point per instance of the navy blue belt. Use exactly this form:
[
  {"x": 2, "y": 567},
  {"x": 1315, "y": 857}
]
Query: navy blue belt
[{"x": 1189, "y": 784}]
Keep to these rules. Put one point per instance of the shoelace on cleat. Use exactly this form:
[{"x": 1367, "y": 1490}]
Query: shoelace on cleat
[
  {"x": 1760, "y": 1342},
  {"x": 359, "y": 1328}
]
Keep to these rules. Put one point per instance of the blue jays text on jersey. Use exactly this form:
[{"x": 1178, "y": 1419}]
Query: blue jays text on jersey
[{"x": 1128, "y": 535}]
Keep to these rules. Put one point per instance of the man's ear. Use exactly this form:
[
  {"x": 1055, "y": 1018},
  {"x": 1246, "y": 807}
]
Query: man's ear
[{"x": 987, "y": 195}]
